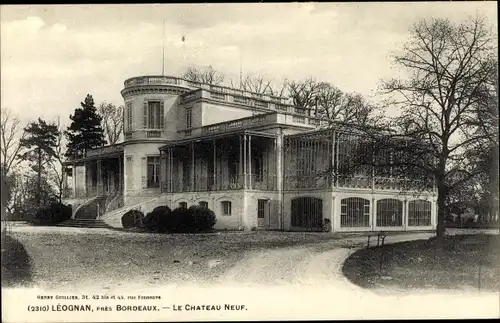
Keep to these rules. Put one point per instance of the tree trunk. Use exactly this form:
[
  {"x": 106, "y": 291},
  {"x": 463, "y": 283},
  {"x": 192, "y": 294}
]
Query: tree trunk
[
  {"x": 441, "y": 203},
  {"x": 442, "y": 196},
  {"x": 39, "y": 188}
]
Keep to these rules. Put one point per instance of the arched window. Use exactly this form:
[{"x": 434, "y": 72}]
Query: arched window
[
  {"x": 307, "y": 212},
  {"x": 203, "y": 204},
  {"x": 183, "y": 205},
  {"x": 355, "y": 212},
  {"x": 419, "y": 213},
  {"x": 226, "y": 208},
  {"x": 389, "y": 213}
]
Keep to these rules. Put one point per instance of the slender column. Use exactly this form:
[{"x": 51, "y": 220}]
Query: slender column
[
  {"x": 73, "y": 178},
  {"x": 275, "y": 164},
  {"x": 240, "y": 171},
  {"x": 64, "y": 181},
  {"x": 171, "y": 170},
  {"x": 244, "y": 161},
  {"x": 214, "y": 170},
  {"x": 337, "y": 158},
  {"x": 120, "y": 175},
  {"x": 88, "y": 179},
  {"x": 250, "y": 162},
  {"x": 163, "y": 166},
  {"x": 99, "y": 177},
  {"x": 405, "y": 214},
  {"x": 192, "y": 167},
  {"x": 333, "y": 172},
  {"x": 167, "y": 171}
]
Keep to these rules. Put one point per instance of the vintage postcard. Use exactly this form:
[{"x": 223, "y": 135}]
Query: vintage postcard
[{"x": 279, "y": 161}]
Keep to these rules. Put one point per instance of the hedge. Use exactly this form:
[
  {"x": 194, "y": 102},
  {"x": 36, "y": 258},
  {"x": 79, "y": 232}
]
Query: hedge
[
  {"x": 51, "y": 214},
  {"x": 156, "y": 220},
  {"x": 180, "y": 220},
  {"x": 132, "y": 219}
]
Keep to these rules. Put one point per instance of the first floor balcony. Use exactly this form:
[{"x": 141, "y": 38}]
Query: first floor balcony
[{"x": 237, "y": 162}]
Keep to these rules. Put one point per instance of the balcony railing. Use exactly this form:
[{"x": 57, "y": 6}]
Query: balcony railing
[
  {"x": 93, "y": 191},
  {"x": 105, "y": 150},
  {"x": 169, "y": 80},
  {"x": 211, "y": 183},
  {"x": 239, "y": 124}
]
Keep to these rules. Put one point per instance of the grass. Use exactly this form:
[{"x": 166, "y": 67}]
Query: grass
[
  {"x": 461, "y": 262},
  {"x": 16, "y": 263},
  {"x": 118, "y": 258}
]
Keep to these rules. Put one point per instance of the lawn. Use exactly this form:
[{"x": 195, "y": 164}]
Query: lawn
[
  {"x": 461, "y": 262},
  {"x": 115, "y": 259}
]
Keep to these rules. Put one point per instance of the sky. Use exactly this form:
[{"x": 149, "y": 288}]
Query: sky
[{"x": 52, "y": 56}]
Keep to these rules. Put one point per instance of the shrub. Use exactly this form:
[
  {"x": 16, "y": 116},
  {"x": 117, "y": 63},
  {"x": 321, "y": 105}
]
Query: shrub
[
  {"x": 51, "y": 214},
  {"x": 180, "y": 220},
  {"x": 156, "y": 220},
  {"x": 16, "y": 263},
  {"x": 203, "y": 218},
  {"x": 132, "y": 219}
]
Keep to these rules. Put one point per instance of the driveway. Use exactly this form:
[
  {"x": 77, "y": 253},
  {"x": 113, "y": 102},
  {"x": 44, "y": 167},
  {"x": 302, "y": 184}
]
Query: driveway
[{"x": 317, "y": 265}]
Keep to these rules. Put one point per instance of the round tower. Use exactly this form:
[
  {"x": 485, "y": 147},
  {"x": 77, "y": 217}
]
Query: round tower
[{"x": 149, "y": 120}]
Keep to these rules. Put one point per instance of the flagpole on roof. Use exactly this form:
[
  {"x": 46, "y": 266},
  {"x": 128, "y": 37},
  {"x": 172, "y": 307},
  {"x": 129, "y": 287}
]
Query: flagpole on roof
[
  {"x": 163, "y": 50},
  {"x": 241, "y": 69}
]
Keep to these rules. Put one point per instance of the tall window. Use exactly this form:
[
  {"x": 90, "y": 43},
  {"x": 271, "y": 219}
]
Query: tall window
[
  {"x": 389, "y": 213},
  {"x": 153, "y": 115},
  {"x": 226, "y": 208},
  {"x": 419, "y": 213},
  {"x": 355, "y": 212},
  {"x": 189, "y": 118},
  {"x": 261, "y": 209},
  {"x": 154, "y": 171},
  {"x": 128, "y": 118}
]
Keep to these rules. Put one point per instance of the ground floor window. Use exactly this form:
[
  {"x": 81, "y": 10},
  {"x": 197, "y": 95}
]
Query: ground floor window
[
  {"x": 203, "y": 204},
  {"x": 183, "y": 205},
  {"x": 419, "y": 213},
  {"x": 226, "y": 208},
  {"x": 389, "y": 213},
  {"x": 153, "y": 171},
  {"x": 307, "y": 213},
  {"x": 355, "y": 212}
]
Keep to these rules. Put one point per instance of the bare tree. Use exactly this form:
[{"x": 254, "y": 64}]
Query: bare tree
[
  {"x": 304, "y": 94},
  {"x": 449, "y": 66},
  {"x": 112, "y": 121},
  {"x": 11, "y": 133},
  {"x": 204, "y": 75}
]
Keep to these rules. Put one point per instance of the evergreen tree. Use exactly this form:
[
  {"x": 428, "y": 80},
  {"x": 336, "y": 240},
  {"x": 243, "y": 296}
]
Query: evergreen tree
[
  {"x": 39, "y": 144},
  {"x": 85, "y": 132}
]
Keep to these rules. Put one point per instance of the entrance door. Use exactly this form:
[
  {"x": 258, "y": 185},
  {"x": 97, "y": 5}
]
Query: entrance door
[{"x": 263, "y": 213}]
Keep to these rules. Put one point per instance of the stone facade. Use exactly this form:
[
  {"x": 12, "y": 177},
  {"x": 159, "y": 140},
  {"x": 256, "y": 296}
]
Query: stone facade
[{"x": 188, "y": 142}]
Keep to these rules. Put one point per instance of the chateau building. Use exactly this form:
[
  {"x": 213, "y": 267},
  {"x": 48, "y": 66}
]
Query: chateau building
[{"x": 257, "y": 161}]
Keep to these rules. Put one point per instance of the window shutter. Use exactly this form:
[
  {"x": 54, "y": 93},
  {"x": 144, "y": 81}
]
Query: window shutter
[
  {"x": 144, "y": 173},
  {"x": 145, "y": 120},
  {"x": 162, "y": 114},
  {"x": 125, "y": 119}
]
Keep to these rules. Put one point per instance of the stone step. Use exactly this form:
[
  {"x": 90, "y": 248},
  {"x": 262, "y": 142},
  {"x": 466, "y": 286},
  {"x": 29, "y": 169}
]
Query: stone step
[{"x": 84, "y": 223}]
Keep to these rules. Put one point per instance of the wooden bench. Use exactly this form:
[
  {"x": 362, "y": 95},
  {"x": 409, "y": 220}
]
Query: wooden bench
[{"x": 381, "y": 235}]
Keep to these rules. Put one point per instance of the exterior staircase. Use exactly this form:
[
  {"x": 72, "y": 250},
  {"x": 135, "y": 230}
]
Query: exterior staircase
[{"x": 85, "y": 223}]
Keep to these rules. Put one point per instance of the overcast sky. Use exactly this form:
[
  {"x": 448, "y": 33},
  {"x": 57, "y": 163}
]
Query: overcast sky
[{"x": 52, "y": 56}]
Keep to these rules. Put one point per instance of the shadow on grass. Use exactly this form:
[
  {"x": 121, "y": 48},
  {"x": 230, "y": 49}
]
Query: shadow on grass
[
  {"x": 16, "y": 263},
  {"x": 462, "y": 261}
]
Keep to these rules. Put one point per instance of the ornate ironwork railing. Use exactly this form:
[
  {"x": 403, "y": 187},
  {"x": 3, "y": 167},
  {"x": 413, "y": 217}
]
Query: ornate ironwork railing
[{"x": 218, "y": 183}]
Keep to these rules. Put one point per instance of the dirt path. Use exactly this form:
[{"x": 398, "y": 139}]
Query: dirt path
[{"x": 318, "y": 265}]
